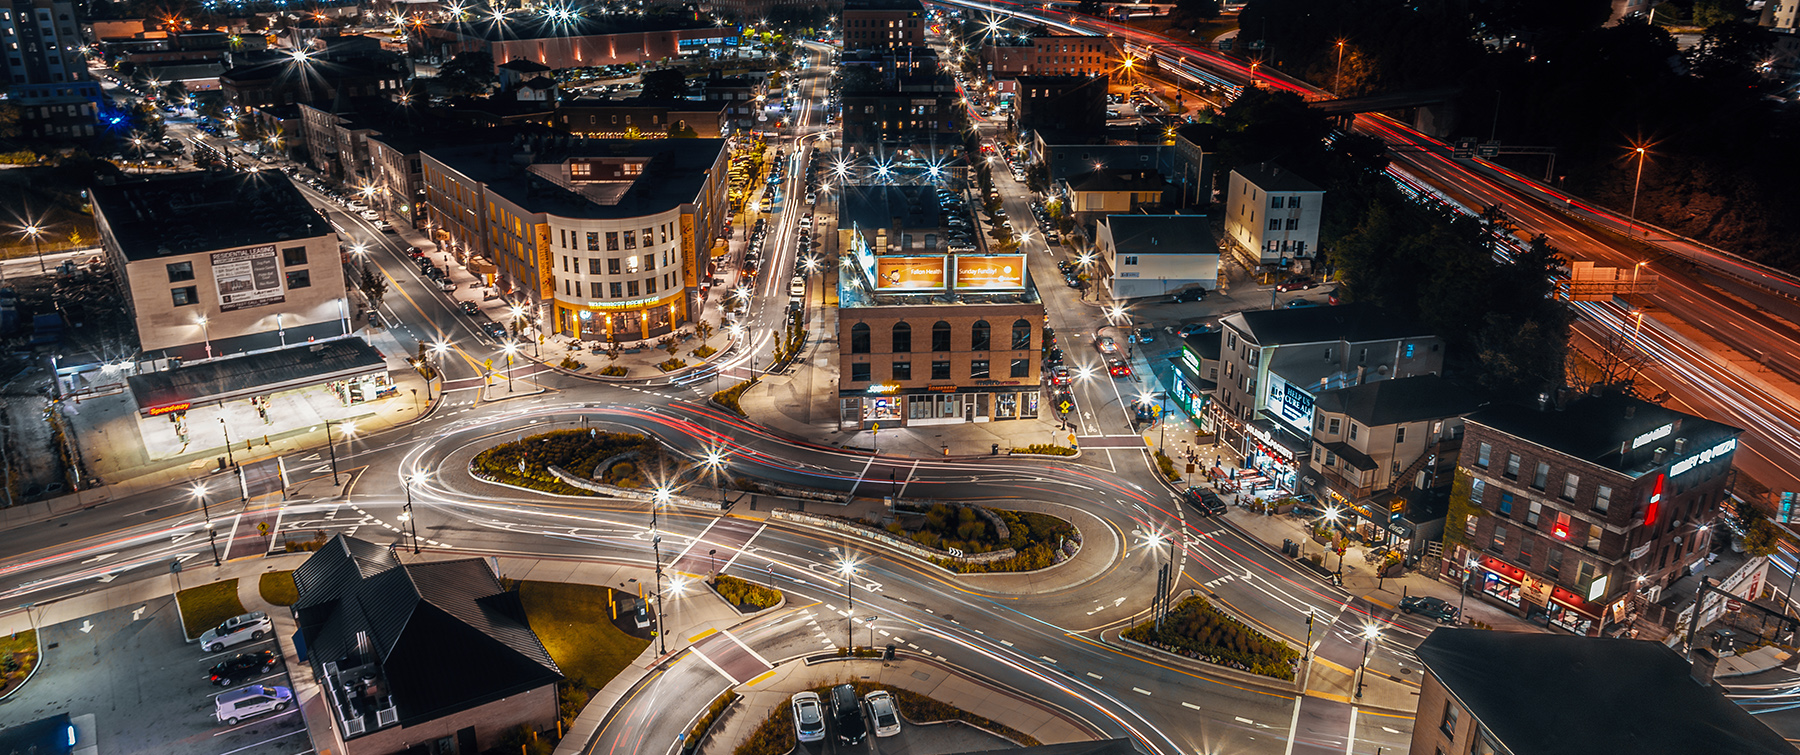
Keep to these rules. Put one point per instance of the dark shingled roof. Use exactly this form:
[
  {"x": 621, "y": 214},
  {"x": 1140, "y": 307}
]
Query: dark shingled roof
[
  {"x": 1349, "y": 322},
  {"x": 1108, "y": 179},
  {"x": 1162, "y": 234},
  {"x": 1409, "y": 399},
  {"x": 184, "y": 213},
  {"x": 1600, "y": 429},
  {"x": 1271, "y": 177},
  {"x": 1549, "y": 694},
  {"x": 447, "y": 636},
  {"x": 1207, "y": 344}
]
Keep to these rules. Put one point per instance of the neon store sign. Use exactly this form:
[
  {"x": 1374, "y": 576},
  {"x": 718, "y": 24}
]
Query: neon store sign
[{"x": 1687, "y": 465}]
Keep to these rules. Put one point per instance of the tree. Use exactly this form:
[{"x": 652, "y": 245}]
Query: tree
[
  {"x": 1190, "y": 11},
  {"x": 1710, "y": 13},
  {"x": 9, "y": 120},
  {"x": 1729, "y": 52},
  {"x": 372, "y": 286},
  {"x": 1760, "y": 537},
  {"x": 664, "y": 84},
  {"x": 681, "y": 130},
  {"x": 468, "y": 73}
]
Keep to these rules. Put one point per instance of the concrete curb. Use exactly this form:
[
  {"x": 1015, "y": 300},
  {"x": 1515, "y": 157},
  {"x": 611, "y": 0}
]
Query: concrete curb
[
  {"x": 37, "y": 637},
  {"x": 1246, "y": 677},
  {"x": 957, "y": 576}
]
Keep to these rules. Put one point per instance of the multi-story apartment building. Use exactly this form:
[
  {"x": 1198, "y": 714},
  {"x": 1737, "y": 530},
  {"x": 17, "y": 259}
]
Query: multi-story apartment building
[
  {"x": 740, "y": 97},
  {"x": 1051, "y": 55},
  {"x": 1156, "y": 255},
  {"x": 618, "y": 119},
  {"x": 1577, "y": 513},
  {"x": 589, "y": 39},
  {"x": 46, "y": 75},
  {"x": 1272, "y": 216},
  {"x": 1276, "y": 362},
  {"x": 605, "y": 238},
  {"x": 1384, "y": 452},
  {"x": 898, "y": 105},
  {"x": 883, "y": 24},
  {"x": 1068, "y": 106}
]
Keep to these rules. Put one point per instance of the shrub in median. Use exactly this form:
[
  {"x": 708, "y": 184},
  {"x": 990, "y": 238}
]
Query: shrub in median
[
  {"x": 671, "y": 365},
  {"x": 1197, "y": 630},
  {"x": 526, "y": 462},
  {"x": 746, "y": 595},
  {"x": 774, "y": 736},
  {"x": 1047, "y": 449},
  {"x": 728, "y": 398}
]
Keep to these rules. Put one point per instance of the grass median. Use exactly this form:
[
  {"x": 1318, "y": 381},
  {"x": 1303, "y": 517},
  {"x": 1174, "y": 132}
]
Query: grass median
[
  {"x": 575, "y": 624},
  {"x": 208, "y": 606}
]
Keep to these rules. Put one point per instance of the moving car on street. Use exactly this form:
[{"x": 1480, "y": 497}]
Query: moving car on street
[
  {"x": 1433, "y": 607},
  {"x": 1296, "y": 283}
]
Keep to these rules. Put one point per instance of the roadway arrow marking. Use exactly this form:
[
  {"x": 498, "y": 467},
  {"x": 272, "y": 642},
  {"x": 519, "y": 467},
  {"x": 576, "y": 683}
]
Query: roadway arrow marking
[
  {"x": 320, "y": 469},
  {"x": 108, "y": 577},
  {"x": 101, "y": 557},
  {"x": 310, "y": 457},
  {"x": 138, "y": 613},
  {"x": 86, "y": 626}
]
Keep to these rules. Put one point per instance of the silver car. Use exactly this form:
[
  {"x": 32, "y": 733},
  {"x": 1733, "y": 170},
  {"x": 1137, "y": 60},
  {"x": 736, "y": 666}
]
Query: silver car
[
  {"x": 251, "y": 626},
  {"x": 882, "y": 712},
  {"x": 809, "y": 717}
]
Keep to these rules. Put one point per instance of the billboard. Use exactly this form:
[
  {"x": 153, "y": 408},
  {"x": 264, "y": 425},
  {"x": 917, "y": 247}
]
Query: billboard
[
  {"x": 990, "y": 273},
  {"x": 247, "y": 278},
  {"x": 909, "y": 273},
  {"x": 1291, "y": 403}
]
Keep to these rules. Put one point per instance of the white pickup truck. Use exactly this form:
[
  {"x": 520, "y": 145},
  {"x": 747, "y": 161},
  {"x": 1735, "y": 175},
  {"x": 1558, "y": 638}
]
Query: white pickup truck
[{"x": 251, "y": 626}]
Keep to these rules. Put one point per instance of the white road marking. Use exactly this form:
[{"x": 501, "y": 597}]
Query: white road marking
[
  {"x": 1140, "y": 690},
  {"x": 1007, "y": 643},
  {"x": 1096, "y": 676},
  {"x": 1243, "y": 720},
  {"x": 1350, "y": 741},
  {"x": 1185, "y": 704}
]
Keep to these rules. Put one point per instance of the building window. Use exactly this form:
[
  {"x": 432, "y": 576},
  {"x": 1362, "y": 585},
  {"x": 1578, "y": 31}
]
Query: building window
[
  {"x": 631, "y": 288},
  {"x": 185, "y": 296},
  {"x": 978, "y": 369},
  {"x": 1129, "y": 260},
  {"x": 298, "y": 279},
  {"x": 940, "y": 336},
  {"x": 631, "y": 239},
  {"x": 612, "y": 266},
  {"x": 1021, "y": 335},
  {"x": 612, "y": 241},
  {"x": 1584, "y": 577},
  {"x": 1448, "y": 725},
  {"x": 859, "y": 338},
  {"x": 1512, "y": 466},
  {"x": 978, "y": 336},
  {"x": 618, "y": 291},
  {"x": 180, "y": 271},
  {"x": 859, "y": 372},
  {"x": 1477, "y": 491},
  {"x": 1482, "y": 454},
  {"x": 1498, "y": 543},
  {"x": 594, "y": 266},
  {"x": 597, "y": 290},
  {"x": 1541, "y": 477},
  {"x": 1553, "y": 563},
  {"x": 1353, "y": 429},
  {"x": 902, "y": 338},
  {"x": 1400, "y": 434},
  {"x": 1506, "y": 502},
  {"x": 1593, "y": 540},
  {"x": 1334, "y": 425},
  {"x": 1561, "y": 530},
  {"x": 1293, "y": 224},
  {"x": 1532, "y": 512},
  {"x": 1274, "y": 224},
  {"x": 940, "y": 370},
  {"x": 1021, "y": 368},
  {"x": 650, "y": 285},
  {"x": 1525, "y": 543},
  {"x": 1603, "y": 498},
  {"x": 1570, "y": 481},
  {"x": 903, "y": 370},
  {"x": 294, "y": 256},
  {"x": 1275, "y": 203}
]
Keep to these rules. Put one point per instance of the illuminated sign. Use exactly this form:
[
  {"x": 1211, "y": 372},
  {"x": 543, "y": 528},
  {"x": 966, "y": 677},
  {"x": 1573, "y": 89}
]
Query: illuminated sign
[
  {"x": 1598, "y": 588},
  {"x": 181, "y": 407},
  {"x": 1658, "y": 433},
  {"x": 247, "y": 278},
  {"x": 883, "y": 388},
  {"x": 1656, "y": 494},
  {"x": 1685, "y": 465},
  {"x": 1189, "y": 358},
  {"x": 990, "y": 273},
  {"x": 909, "y": 273},
  {"x": 1291, "y": 403}
]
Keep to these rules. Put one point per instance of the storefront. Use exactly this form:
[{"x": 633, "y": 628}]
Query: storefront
[
  {"x": 887, "y": 405},
  {"x": 1274, "y": 453},
  {"x": 363, "y": 388},
  {"x": 1191, "y": 393}
]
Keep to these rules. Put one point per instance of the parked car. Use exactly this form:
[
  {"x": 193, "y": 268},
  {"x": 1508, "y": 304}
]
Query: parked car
[
  {"x": 1206, "y": 501},
  {"x": 471, "y": 308},
  {"x": 243, "y": 666},
  {"x": 1434, "y": 607},
  {"x": 1192, "y": 294},
  {"x": 1059, "y": 375},
  {"x": 1296, "y": 283},
  {"x": 253, "y": 700},
  {"x": 883, "y": 713},
  {"x": 237, "y": 629},
  {"x": 1192, "y": 329},
  {"x": 494, "y": 330},
  {"x": 809, "y": 717},
  {"x": 811, "y": 197},
  {"x": 797, "y": 286},
  {"x": 1146, "y": 335},
  {"x": 1118, "y": 368},
  {"x": 846, "y": 715},
  {"x": 1300, "y": 303}
]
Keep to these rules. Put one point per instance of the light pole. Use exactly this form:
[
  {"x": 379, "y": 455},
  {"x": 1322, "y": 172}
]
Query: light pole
[
  {"x": 438, "y": 350},
  {"x": 205, "y": 335},
  {"x": 509, "y": 348},
  {"x": 331, "y": 447},
  {"x": 662, "y": 497},
  {"x": 1370, "y": 634},
  {"x": 1154, "y": 541},
  {"x": 406, "y": 516},
  {"x": 206, "y": 512},
  {"x": 1631, "y": 226},
  {"x": 849, "y": 570},
  {"x": 34, "y": 231},
  {"x": 1332, "y": 513},
  {"x": 716, "y": 460},
  {"x": 1337, "y": 81}
]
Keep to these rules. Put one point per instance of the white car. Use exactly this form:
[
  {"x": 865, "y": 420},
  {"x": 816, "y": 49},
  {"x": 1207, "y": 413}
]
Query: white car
[
  {"x": 809, "y": 717},
  {"x": 812, "y": 197},
  {"x": 883, "y": 713},
  {"x": 237, "y": 629},
  {"x": 370, "y": 215},
  {"x": 806, "y": 222},
  {"x": 797, "y": 286}
]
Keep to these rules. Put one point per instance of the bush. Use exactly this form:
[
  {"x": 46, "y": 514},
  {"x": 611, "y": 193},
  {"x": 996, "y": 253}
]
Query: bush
[
  {"x": 671, "y": 365},
  {"x": 613, "y": 370},
  {"x": 1047, "y": 449},
  {"x": 306, "y": 546},
  {"x": 774, "y": 736},
  {"x": 704, "y": 351},
  {"x": 569, "y": 363},
  {"x": 745, "y": 594},
  {"x": 728, "y": 398},
  {"x": 1167, "y": 466},
  {"x": 712, "y": 713},
  {"x": 1197, "y": 630},
  {"x": 1035, "y": 538},
  {"x": 525, "y": 462}
]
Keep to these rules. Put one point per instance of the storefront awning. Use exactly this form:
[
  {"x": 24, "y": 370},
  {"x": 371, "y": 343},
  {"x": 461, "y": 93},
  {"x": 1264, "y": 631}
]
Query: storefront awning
[{"x": 255, "y": 374}]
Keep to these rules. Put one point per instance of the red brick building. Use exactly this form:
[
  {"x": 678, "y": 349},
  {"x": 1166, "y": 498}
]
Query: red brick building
[
  {"x": 1580, "y": 514},
  {"x": 1052, "y": 55},
  {"x": 883, "y": 24}
]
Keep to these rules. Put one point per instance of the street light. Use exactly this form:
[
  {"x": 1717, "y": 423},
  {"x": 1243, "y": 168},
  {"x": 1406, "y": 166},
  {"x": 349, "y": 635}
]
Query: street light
[
  {"x": 1154, "y": 541},
  {"x": 438, "y": 350},
  {"x": 1331, "y": 514},
  {"x": 34, "y": 231},
  {"x": 509, "y": 348},
  {"x": 662, "y": 498},
  {"x": 848, "y": 568},
  {"x": 1337, "y": 81},
  {"x": 206, "y": 511},
  {"x": 406, "y": 516},
  {"x": 1370, "y": 634},
  {"x": 1630, "y": 227},
  {"x": 331, "y": 447},
  {"x": 205, "y": 335},
  {"x": 716, "y": 460}
]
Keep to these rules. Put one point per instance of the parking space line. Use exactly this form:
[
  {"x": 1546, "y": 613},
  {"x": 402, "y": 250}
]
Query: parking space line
[
  {"x": 258, "y": 681},
  {"x": 283, "y": 714},
  {"x": 236, "y": 650},
  {"x": 266, "y": 741}
]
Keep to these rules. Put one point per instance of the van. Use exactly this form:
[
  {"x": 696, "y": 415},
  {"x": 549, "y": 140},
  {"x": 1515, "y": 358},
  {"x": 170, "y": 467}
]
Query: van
[
  {"x": 254, "y": 700},
  {"x": 847, "y": 714}
]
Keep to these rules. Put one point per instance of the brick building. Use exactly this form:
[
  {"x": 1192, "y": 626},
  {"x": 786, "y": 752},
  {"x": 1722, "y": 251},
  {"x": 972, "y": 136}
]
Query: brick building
[
  {"x": 1068, "y": 105},
  {"x": 1577, "y": 514},
  {"x": 883, "y": 24},
  {"x": 615, "y": 119},
  {"x": 1052, "y": 55},
  {"x": 587, "y": 40}
]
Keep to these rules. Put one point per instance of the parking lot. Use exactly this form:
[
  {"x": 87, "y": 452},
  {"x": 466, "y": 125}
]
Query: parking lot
[
  {"x": 931, "y": 739},
  {"x": 148, "y": 690}
]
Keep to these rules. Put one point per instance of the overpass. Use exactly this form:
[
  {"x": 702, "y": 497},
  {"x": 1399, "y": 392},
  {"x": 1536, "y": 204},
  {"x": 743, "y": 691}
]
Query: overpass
[{"x": 1435, "y": 115}]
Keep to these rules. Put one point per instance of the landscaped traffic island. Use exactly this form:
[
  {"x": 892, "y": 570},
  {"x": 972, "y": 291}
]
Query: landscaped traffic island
[
  {"x": 1036, "y": 540},
  {"x": 617, "y": 459},
  {"x": 1197, "y": 630}
]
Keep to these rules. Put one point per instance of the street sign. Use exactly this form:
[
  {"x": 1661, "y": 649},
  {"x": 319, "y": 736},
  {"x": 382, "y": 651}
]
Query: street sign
[
  {"x": 1463, "y": 149},
  {"x": 1489, "y": 149},
  {"x": 1785, "y": 513},
  {"x": 1734, "y": 605}
]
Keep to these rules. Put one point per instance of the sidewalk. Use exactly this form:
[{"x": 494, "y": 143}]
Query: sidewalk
[{"x": 922, "y": 675}]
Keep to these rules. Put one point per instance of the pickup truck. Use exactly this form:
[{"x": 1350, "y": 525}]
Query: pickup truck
[{"x": 237, "y": 629}]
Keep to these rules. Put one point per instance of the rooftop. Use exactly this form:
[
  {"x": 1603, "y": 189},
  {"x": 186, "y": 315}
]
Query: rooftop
[
  {"x": 1550, "y": 694},
  {"x": 1065, "y": 159},
  {"x": 188, "y": 213},
  {"x": 875, "y": 5},
  {"x": 1162, "y": 234},
  {"x": 889, "y": 206},
  {"x": 1272, "y": 177},
  {"x": 543, "y": 27},
  {"x": 1110, "y": 179},
  {"x": 1349, "y": 322},
  {"x": 521, "y": 65},
  {"x": 360, "y": 605},
  {"x": 1205, "y": 345},
  {"x": 674, "y": 173},
  {"x": 1602, "y": 429},
  {"x": 1409, "y": 399}
]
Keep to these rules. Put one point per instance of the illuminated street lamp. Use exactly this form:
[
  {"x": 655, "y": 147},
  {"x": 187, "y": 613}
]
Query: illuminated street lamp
[
  {"x": 206, "y": 512},
  {"x": 1332, "y": 513},
  {"x": 510, "y": 348},
  {"x": 1370, "y": 634},
  {"x": 848, "y": 569},
  {"x": 34, "y": 232},
  {"x": 1631, "y": 226}
]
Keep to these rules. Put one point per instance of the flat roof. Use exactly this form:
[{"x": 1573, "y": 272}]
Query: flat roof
[
  {"x": 293, "y": 367},
  {"x": 189, "y": 213},
  {"x": 533, "y": 26},
  {"x": 1552, "y": 694},
  {"x": 885, "y": 205},
  {"x": 675, "y": 175},
  {"x": 1601, "y": 429},
  {"x": 1353, "y": 322},
  {"x": 1272, "y": 177},
  {"x": 1408, "y": 399}
]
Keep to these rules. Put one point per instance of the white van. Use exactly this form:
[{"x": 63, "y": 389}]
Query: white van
[
  {"x": 253, "y": 700},
  {"x": 797, "y": 286}
]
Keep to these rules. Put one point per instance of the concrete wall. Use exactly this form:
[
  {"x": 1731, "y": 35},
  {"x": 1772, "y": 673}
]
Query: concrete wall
[{"x": 162, "y": 325}]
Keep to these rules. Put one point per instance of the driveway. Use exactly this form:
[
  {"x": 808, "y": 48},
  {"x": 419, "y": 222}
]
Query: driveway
[{"x": 148, "y": 690}]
